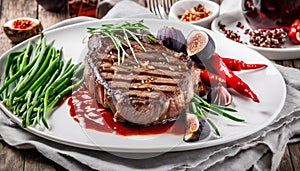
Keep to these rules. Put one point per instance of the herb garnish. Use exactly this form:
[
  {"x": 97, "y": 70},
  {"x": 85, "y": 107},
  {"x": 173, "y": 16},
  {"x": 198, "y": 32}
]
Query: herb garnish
[
  {"x": 120, "y": 34},
  {"x": 200, "y": 107}
]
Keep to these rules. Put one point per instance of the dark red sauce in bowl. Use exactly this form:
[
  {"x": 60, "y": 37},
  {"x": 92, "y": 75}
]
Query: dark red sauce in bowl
[{"x": 268, "y": 14}]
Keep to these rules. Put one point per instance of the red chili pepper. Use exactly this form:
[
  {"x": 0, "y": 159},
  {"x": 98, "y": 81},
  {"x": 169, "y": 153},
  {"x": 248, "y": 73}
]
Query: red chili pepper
[
  {"x": 294, "y": 32},
  {"x": 238, "y": 65},
  {"x": 209, "y": 78},
  {"x": 216, "y": 64}
]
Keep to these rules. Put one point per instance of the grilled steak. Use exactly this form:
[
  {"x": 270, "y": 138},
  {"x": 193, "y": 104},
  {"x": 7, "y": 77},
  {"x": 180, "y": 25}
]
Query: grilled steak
[{"x": 156, "y": 90}]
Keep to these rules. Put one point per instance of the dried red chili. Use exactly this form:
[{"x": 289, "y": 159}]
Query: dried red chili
[
  {"x": 219, "y": 67},
  {"x": 22, "y": 24},
  {"x": 209, "y": 78},
  {"x": 294, "y": 32},
  {"x": 238, "y": 65}
]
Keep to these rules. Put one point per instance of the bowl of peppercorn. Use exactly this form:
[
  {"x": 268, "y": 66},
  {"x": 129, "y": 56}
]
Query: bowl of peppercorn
[{"x": 198, "y": 12}]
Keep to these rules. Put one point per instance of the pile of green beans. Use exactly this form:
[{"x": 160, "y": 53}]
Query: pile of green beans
[{"x": 35, "y": 79}]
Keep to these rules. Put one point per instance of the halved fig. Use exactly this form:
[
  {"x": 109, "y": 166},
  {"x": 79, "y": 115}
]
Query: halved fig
[
  {"x": 200, "y": 46},
  {"x": 20, "y": 29},
  {"x": 194, "y": 126}
]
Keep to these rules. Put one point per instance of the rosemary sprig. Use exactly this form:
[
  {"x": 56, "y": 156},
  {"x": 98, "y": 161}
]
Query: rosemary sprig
[
  {"x": 121, "y": 34},
  {"x": 200, "y": 107}
]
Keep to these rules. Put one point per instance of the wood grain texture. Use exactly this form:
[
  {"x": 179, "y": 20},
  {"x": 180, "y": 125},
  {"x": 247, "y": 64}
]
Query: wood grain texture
[
  {"x": 288, "y": 63},
  {"x": 34, "y": 162},
  {"x": 48, "y": 18},
  {"x": 286, "y": 163},
  {"x": 11, "y": 9},
  {"x": 12, "y": 159},
  {"x": 297, "y": 63},
  {"x": 295, "y": 155}
]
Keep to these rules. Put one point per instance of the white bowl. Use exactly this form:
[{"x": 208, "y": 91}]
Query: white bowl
[{"x": 181, "y": 6}]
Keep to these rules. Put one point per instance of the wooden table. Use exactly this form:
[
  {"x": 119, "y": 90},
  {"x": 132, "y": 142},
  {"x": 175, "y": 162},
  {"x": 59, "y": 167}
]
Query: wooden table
[{"x": 12, "y": 159}]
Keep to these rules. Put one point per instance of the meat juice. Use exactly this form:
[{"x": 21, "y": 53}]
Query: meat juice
[
  {"x": 90, "y": 115},
  {"x": 267, "y": 14}
]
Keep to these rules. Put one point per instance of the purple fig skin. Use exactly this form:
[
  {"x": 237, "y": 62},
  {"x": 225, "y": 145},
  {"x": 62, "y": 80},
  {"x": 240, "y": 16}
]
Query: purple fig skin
[{"x": 172, "y": 38}]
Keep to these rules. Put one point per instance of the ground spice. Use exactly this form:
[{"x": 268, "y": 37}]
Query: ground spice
[
  {"x": 22, "y": 24},
  {"x": 196, "y": 13}
]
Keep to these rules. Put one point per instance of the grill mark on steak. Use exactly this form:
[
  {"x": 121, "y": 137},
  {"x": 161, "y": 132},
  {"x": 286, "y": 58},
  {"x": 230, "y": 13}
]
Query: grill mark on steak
[
  {"x": 141, "y": 95},
  {"x": 152, "y": 56}
]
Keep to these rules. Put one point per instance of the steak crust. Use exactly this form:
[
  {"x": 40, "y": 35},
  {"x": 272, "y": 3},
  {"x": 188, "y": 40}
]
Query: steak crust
[{"x": 156, "y": 90}]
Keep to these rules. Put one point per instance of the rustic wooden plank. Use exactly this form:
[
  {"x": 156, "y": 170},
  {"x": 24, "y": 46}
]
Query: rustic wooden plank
[
  {"x": 278, "y": 62},
  {"x": 10, "y": 159},
  {"x": 48, "y": 18},
  {"x": 295, "y": 155},
  {"x": 286, "y": 163},
  {"x": 36, "y": 162},
  {"x": 13, "y": 9},
  {"x": 14, "y": 159},
  {"x": 288, "y": 63},
  {"x": 297, "y": 63}
]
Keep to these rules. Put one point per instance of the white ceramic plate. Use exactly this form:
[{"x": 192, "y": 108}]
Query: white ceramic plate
[
  {"x": 289, "y": 50},
  {"x": 257, "y": 115}
]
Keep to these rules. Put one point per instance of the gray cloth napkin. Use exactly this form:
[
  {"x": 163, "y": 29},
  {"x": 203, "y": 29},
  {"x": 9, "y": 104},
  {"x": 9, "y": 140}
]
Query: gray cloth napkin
[{"x": 260, "y": 151}]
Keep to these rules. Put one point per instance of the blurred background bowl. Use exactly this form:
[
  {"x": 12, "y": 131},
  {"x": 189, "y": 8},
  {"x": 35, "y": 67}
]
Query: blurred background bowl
[
  {"x": 53, "y": 5},
  {"x": 180, "y": 7}
]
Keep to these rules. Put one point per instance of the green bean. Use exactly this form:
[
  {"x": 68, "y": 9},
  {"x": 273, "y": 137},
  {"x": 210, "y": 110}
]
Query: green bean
[
  {"x": 16, "y": 76},
  {"x": 26, "y": 119},
  {"x": 36, "y": 95},
  {"x": 9, "y": 61},
  {"x": 42, "y": 78},
  {"x": 17, "y": 107},
  {"x": 25, "y": 84},
  {"x": 35, "y": 51},
  {"x": 23, "y": 108},
  {"x": 67, "y": 66},
  {"x": 38, "y": 116},
  {"x": 61, "y": 85},
  {"x": 44, "y": 120},
  {"x": 26, "y": 55},
  {"x": 54, "y": 77},
  {"x": 18, "y": 63},
  {"x": 61, "y": 94},
  {"x": 61, "y": 79},
  {"x": 44, "y": 75},
  {"x": 6, "y": 71},
  {"x": 28, "y": 98}
]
